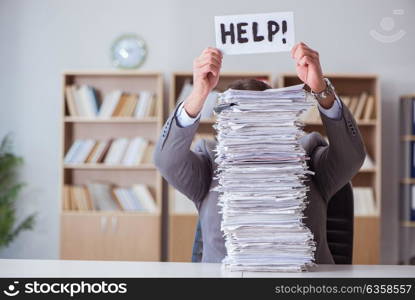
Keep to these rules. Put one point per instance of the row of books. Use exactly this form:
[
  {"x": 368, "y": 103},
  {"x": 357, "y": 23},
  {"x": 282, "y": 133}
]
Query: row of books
[
  {"x": 83, "y": 101},
  {"x": 118, "y": 151},
  {"x": 362, "y": 107},
  {"x": 364, "y": 202},
  {"x": 99, "y": 196},
  {"x": 408, "y": 202}
]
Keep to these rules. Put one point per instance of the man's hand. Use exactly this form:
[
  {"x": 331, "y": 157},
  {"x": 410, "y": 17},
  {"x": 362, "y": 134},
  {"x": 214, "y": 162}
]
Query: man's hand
[
  {"x": 308, "y": 67},
  {"x": 309, "y": 70},
  {"x": 206, "y": 70}
]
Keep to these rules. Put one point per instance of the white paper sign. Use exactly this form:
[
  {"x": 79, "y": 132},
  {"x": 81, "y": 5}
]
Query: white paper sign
[{"x": 255, "y": 33}]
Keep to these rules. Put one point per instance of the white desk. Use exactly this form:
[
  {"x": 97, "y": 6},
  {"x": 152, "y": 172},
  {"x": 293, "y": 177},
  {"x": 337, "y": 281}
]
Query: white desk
[{"x": 67, "y": 268}]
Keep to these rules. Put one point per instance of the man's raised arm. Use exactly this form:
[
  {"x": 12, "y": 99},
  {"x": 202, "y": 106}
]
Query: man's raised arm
[
  {"x": 334, "y": 164},
  {"x": 189, "y": 171}
]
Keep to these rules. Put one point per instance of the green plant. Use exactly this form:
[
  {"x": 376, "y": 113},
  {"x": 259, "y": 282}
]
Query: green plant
[{"x": 9, "y": 191}]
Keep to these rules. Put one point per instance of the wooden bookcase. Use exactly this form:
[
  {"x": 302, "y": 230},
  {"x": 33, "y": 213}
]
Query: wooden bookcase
[
  {"x": 181, "y": 225},
  {"x": 407, "y": 180},
  {"x": 101, "y": 235},
  {"x": 366, "y": 228}
]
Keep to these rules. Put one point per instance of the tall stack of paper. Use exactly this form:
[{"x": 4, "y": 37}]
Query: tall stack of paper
[{"x": 261, "y": 173}]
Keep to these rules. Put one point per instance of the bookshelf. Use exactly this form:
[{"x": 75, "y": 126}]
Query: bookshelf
[
  {"x": 407, "y": 180},
  {"x": 182, "y": 219},
  {"x": 111, "y": 235},
  {"x": 366, "y": 227}
]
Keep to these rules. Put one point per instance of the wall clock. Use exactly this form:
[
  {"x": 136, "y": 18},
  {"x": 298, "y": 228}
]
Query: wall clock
[{"x": 128, "y": 51}]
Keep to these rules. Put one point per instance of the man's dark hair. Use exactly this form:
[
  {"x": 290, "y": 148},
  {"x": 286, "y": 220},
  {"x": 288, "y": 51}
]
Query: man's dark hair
[{"x": 249, "y": 84}]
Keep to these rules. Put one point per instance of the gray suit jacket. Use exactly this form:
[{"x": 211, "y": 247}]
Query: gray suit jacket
[{"x": 191, "y": 172}]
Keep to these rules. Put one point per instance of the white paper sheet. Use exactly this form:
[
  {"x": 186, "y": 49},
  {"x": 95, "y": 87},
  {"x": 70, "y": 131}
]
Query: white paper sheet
[{"x": 255, "y": 33}]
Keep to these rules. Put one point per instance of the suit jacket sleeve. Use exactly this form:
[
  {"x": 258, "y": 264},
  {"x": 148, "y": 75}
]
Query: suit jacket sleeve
[
  {"x": 335, "y": 164},
  {"x": 188, "y": 171}
]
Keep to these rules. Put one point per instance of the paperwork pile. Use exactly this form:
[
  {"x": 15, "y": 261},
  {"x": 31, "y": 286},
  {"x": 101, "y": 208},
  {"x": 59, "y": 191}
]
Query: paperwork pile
[{"x": 261, "y": 172}]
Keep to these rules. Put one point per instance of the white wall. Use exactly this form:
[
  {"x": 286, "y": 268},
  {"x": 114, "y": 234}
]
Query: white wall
[{"x": 40, "y": 39}]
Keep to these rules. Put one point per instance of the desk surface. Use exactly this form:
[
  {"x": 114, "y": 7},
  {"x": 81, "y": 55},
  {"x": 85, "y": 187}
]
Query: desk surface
[{"x": 72, "y": 268}]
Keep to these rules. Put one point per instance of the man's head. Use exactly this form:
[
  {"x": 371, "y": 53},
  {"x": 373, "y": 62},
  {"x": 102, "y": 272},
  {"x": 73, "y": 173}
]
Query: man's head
[{"x": 249, "y": 84}]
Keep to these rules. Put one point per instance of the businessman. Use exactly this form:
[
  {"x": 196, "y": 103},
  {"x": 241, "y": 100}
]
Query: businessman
[{"x": 192, "y": 171}]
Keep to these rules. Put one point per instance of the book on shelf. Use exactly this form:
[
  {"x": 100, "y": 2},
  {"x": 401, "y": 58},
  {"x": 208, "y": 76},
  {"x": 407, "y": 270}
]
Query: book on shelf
[
  {"x": 130, "y": 105},
  {"x": 353, "y": 104},
  {"x": 70, "y": 154},
  {"x": 78, "y": 198},
  {"x": 143, "y": 195},
  {"x": 101, "y": 196},
  {"x": 89, "y": 99},
  {"x": 364, "y": 201},
  {"x": 98, "y": 152},
  {"x": 126, "y": 200},
  {"x": 408, "y": 159},
  {"x": 66, "y": 204},
  {"x": 119, "y": 151},
  {"x": 407, "y": 203},
  {"x": 116, "y": 151},
  {"x": 369, "y": 109},
  {"x": 83, "y": 101},
  {"x": 122, "y": 102},
  {"x": 361, "y": 106},
  {"x": 83, "y": 151},
  {"x": 148, "y": 154},
  {"x": 146, "y": 105},
  {"x": 135, "y": 151},
  {"x": 79, "y": 151},
  {"x": 407, "y": 115},
  {"x": 109, "y": 104},
  {"x": 70, "y": 101}
]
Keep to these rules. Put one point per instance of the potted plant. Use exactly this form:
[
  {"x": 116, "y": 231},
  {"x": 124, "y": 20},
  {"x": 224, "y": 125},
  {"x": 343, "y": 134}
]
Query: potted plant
[{"x": 9, "y": 192}]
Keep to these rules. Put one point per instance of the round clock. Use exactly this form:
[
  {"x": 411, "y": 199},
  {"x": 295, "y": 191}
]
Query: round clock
[{"x": 128, "y": 51}]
